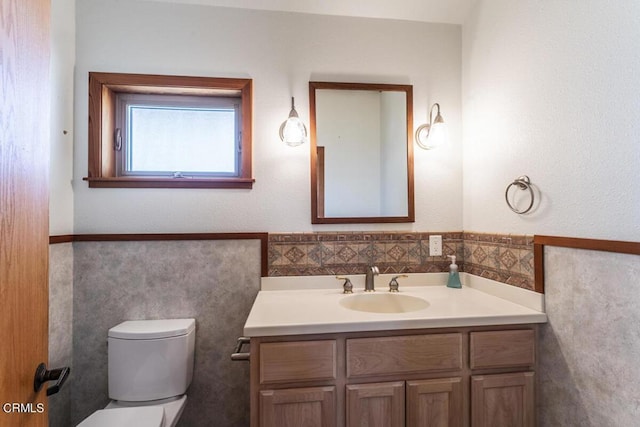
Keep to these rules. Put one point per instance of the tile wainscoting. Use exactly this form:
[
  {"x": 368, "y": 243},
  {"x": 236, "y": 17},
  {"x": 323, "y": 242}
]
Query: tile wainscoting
[
  {"x": 588, "y": 353},
  {"x": 500, "y": 257},
  {"x": 61, "y": 328},
  {"x": 95, "y": 285}
]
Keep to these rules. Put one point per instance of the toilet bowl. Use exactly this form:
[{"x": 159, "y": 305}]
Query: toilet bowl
[
  {"x": 157, "y": 413},
  {"x": 150, "y": 369},
  {"x": 151, "y": 416}
]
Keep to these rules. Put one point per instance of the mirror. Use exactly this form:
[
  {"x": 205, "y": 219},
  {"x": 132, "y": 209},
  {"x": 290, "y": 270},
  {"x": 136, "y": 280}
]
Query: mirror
[{"x": 361, "y": 153}]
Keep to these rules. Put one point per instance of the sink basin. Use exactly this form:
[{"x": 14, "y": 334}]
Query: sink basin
[{"x": 383, "y": 303}]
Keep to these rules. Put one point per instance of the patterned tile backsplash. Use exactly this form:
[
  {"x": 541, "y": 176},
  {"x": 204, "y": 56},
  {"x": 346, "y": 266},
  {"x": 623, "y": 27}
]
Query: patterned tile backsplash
[
  {"x": 500, "y": 257},
  {"x": 504, "y": 258}
]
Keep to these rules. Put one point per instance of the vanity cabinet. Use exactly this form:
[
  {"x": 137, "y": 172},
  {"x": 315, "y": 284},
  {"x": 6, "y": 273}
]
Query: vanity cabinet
[{"x": 456, "y": 377}]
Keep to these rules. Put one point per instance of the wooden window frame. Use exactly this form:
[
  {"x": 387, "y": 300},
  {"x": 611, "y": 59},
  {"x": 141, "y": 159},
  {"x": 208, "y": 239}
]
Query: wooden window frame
[{"x": 103, "y": 88}]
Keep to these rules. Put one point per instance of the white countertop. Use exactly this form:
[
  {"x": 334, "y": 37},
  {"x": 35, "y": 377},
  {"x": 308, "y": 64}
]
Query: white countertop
[{"x": 480, "y": 302}]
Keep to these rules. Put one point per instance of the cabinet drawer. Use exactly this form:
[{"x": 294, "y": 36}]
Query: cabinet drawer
[
  {"x": 297, "y": 361},
  {"x": 410, "y": 354},
  {"x": 502, "y": 349}
]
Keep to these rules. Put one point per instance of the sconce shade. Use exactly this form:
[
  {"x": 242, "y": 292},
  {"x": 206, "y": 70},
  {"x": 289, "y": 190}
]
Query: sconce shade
[
  {"x": 435, "y": 133},
  {"x": 292, "y": 131}
]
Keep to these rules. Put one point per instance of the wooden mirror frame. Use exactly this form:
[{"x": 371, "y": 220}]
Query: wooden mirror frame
[{"x": 317, "y": 183}]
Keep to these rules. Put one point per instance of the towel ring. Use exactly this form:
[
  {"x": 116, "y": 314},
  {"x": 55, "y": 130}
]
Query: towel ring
[{"x": 523, "y": 183}]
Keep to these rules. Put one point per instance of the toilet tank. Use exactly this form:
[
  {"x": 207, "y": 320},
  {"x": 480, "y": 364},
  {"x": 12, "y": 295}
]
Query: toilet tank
[{"x": 150, "y": 359}]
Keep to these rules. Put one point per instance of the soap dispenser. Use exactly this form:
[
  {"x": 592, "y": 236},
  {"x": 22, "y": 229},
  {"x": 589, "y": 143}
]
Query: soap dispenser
[{"x": 454, "y": 277}]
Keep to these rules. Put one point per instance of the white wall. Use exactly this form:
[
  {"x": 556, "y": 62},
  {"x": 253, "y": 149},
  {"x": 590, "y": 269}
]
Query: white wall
[
  {"x": 63, "y": 28},
  {"x": 281, "y": 52},
  {"x": 551, "y": 90}
]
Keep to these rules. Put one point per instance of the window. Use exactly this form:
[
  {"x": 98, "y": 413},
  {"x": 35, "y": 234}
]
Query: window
[
  {"x": 169, "y": 132},
  {"x": 180, "y": 136}
]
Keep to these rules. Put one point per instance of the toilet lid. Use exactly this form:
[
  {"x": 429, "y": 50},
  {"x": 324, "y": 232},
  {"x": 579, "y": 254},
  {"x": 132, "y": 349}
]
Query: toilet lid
[
  {"x": 147, "y": 416},
  {"x": 152, "y": 329}
]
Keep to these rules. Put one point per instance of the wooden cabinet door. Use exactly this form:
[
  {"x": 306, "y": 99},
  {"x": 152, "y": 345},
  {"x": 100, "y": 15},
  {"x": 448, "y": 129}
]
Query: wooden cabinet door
[
  {"x": 505, "y": 400},
  {"x": 24, "y": 208},
  {"x": 435, "y": 403},
  {"x": 298, "y": 407},
  {"x": 375, "y": 405}
]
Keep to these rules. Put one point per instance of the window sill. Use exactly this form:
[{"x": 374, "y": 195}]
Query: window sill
[{"x": 143, "y": 182}]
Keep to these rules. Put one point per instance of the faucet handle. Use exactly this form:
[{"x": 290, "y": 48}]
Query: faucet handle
[
  {"x": 347, "y": 286},
  {"x": 394, "y": 285}
]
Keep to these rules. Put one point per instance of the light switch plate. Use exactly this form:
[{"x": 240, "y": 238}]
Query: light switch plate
[{"x": 435, "y": 245}]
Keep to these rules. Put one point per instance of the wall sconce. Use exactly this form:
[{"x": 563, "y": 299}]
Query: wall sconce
[
  {"x": 292, "y": 131},
  {"x": 434, "y": 134}
]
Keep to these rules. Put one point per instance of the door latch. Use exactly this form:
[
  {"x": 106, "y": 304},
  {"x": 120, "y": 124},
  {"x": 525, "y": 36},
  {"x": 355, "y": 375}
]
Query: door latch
[{"x": 43, "y": 375}]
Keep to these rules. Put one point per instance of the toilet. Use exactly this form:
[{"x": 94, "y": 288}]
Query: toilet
[{"x": 150, "y": 369}]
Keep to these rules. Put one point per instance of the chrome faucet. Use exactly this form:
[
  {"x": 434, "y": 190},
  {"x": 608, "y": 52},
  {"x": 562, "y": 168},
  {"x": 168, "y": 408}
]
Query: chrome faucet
[{"x": 368, "y": 282}]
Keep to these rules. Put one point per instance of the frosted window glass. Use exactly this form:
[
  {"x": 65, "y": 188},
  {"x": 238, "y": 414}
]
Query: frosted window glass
[{"x": 182, "y": 140}]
